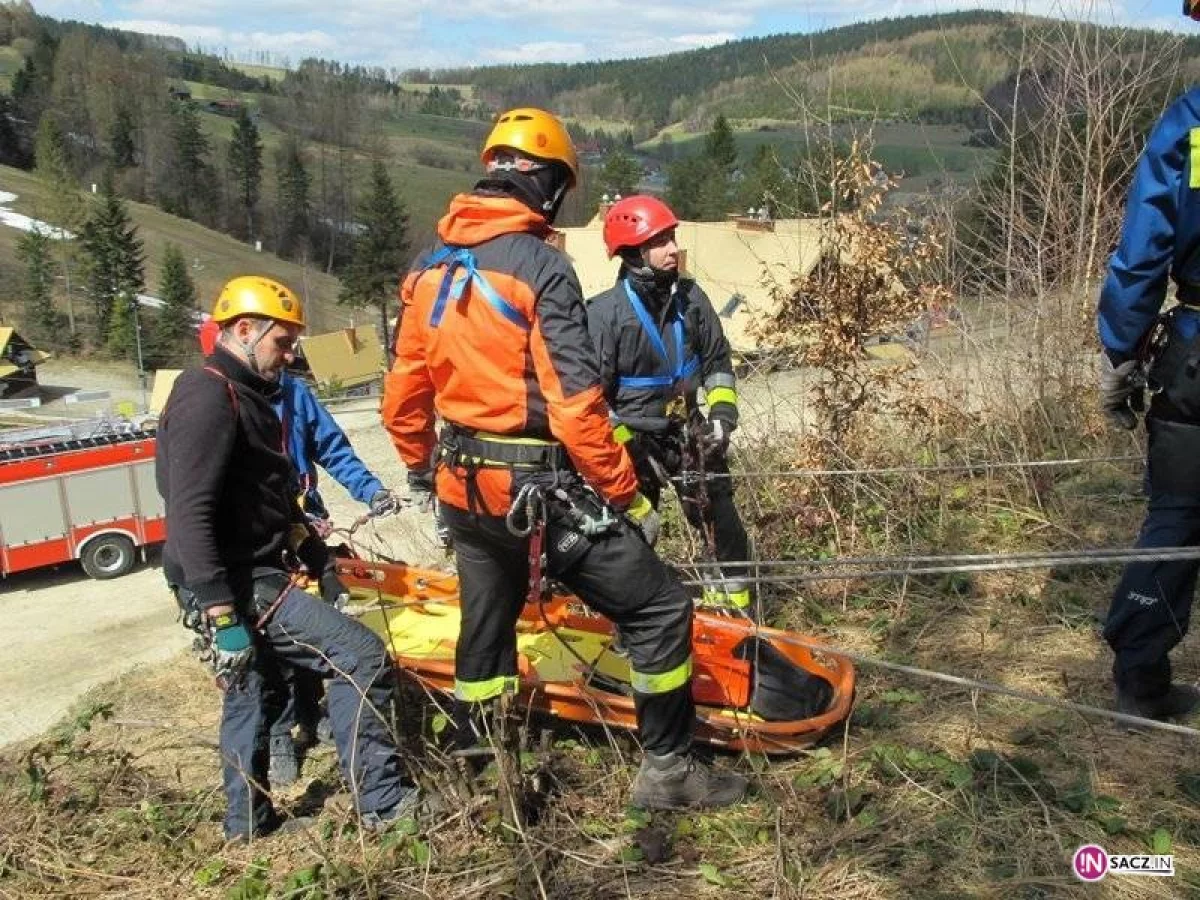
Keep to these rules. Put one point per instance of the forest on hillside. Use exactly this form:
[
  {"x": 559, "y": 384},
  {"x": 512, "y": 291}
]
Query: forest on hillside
[{"x": 927, "y": 68}]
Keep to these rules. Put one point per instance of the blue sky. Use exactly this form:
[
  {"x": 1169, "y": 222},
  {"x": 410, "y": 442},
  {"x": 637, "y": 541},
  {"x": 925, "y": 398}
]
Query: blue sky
[{"x": 404, "y": 34}]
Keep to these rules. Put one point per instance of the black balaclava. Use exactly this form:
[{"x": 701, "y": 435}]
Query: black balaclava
[
  {"x": 541, "y": 190},
  {"x": 651, "y": 284}
]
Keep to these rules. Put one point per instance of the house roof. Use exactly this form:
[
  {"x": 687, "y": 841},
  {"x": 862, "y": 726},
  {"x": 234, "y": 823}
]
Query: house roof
[
  {"x": 350, "y": 357},
  {"x": 738, "y": 264},
  {"x": 12, "y": 343}
]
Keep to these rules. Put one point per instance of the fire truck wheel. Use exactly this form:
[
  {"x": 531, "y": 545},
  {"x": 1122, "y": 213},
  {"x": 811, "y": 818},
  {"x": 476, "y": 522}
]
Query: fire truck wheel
[{"x": 108, "y": 556}]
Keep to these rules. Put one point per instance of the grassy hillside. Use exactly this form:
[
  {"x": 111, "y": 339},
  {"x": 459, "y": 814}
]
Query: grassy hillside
[
  {"x": 430, "y": 158},
  {"x": 911, "y": 149},
  {"x": 930, "y": 68},
  {"x": 214, "y": 257}
]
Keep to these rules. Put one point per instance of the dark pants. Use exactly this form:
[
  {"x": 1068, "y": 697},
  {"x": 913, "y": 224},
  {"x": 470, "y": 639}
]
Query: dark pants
[
  {"x": 618, "y": 575},
  {"x": 302, "y": 703},
  {"x": 308, "y": 634},
  {"x": 1152, "y": 604},
  {"x": 707, "y": 504}
]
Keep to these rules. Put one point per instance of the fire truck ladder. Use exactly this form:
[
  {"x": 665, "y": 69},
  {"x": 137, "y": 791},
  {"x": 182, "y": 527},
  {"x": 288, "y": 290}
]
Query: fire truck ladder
[{"x": 52, "y": 443}]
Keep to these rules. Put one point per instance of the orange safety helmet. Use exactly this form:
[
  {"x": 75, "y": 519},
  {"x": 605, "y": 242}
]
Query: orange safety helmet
[
  {"x": 210, "y": 329},
  {"x": 536, "y": 133},
  {"x": 263, "y": 298},
  {"x": 631, "y": 222}
]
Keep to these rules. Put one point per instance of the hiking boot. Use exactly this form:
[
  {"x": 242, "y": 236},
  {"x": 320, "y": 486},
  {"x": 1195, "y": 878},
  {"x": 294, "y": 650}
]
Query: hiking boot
[
  {"x": 409, "y": 806},
  {"x": 274, "y": 825},
  {"x": 284, "y": 769},
  {"x": 680, "y": 780},
  {"x": 1179, "y": 701}
]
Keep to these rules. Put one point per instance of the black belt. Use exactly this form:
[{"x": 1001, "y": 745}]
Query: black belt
[{"x": 460, "y": 447}]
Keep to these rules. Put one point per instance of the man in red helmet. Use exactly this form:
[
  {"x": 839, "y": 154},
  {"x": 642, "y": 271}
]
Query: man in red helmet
[
  {"x": 659, "y": 340},
  {"x": 493, "y": 341}
]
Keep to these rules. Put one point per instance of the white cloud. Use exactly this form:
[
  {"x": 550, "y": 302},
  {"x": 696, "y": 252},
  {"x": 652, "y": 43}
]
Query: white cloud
[
  {"x": 432, "y": 33},
  {"x": 538, "y": 51}
]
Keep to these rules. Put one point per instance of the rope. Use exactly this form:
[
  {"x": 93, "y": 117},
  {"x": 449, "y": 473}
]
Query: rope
[
  {"x": 1095, "y": 554},
  {"x": 974, "y": 563},
  {"x": 989, "y": 687},
  {"x": 911, "y": 470}
]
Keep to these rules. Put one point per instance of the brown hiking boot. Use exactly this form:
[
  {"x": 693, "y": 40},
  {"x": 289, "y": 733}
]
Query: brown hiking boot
[{"x": 680, "y": 780}]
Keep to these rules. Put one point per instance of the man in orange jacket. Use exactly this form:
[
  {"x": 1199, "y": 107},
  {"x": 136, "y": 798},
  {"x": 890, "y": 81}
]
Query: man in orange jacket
[{"x": 493, "y": 340}]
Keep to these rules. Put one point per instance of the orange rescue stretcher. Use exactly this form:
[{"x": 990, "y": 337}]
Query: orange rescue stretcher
[{"x": 756, "y": 688}]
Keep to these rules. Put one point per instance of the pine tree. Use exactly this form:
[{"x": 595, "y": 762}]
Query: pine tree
[
  {"x": 173, "y": 337},
  {"x": 114, "y": 265},
  {"x": 186, "y": 184},
  {"x": 381, "y": 250},
  {"x": 292, "y": 205},
  {"x": 720, "y": 147},
  {"x": 41, "y": 318},
  {"x": 620, "y": 173},
  {"x": 120, "y": 140},
  {"x": 245, "y": 166},
  {"x": 65, "y": 208}
]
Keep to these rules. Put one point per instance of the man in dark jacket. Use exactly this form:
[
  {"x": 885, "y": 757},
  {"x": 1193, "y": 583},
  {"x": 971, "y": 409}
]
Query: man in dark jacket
[
  {"x": 659, "y": 340},
  {"x": 234, "y": 530},
  {"x": 313, "y": 439},
  {"x": 493, "y": 339}
]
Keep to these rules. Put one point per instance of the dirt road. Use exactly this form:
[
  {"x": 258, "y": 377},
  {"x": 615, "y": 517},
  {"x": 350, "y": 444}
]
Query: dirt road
[{"x": 65, "y": 633}]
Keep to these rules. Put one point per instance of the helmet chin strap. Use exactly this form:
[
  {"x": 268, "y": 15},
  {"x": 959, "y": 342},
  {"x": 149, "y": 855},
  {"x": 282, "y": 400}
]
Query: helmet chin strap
[{"x": 247, "y": 347}]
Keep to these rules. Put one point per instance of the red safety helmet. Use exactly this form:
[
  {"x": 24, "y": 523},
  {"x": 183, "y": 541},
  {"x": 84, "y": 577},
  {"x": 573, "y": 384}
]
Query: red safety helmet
[
  {"x": 634, "y": 220},
  {"x": 209, "y": 330}
]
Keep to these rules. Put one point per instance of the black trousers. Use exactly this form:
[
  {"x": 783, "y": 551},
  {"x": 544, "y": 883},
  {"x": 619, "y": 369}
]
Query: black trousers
[
  {"x": 708, "y": 505},
  {"x": 1152, "y": 604},
  {"x": 617, "y": 574}
]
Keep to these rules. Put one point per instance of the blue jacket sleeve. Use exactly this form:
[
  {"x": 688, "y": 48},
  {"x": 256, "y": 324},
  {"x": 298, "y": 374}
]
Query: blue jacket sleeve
[
  {"x": 1150, "y": 246},
  {"x": 327, "y": 445}
]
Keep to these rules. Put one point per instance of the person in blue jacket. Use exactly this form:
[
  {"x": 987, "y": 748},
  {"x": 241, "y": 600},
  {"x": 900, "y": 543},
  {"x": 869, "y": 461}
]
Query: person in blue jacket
[
  {"x": 313, "y": 439},
  {"x": 1160, "y": 244}
]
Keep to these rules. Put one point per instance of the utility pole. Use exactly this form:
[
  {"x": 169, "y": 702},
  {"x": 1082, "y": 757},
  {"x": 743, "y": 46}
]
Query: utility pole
[{"x": 137, "y": 339}]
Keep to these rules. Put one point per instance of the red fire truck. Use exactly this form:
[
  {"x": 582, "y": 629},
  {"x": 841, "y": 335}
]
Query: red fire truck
[{"x": 68, "y": 494}]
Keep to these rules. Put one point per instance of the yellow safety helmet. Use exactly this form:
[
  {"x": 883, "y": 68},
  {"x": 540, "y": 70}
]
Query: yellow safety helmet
[
  {"x": 264, "y": 298},
  {"x": 536, "y": 133}
]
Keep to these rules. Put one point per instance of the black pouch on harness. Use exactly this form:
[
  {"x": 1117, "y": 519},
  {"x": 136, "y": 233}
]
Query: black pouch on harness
[
  {"x": 576, "y": 518},
  {"x": 1175, "y": 373},
  {"x": 1174, "y": 448}
]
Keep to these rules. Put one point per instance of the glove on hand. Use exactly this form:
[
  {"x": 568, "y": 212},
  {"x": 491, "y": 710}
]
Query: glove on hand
[
  {"x": 645, "y": 517},
  {"x": 714, "y": 437},
  {"x": 323, "y": 527},
  {"x": 421, "y": 491},
  {"x": 333, "y": 591},
  {"x": 232, "y": 650},
  {"x": 385, "y": 503},
  {"x": 1121, "y": 397}
]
